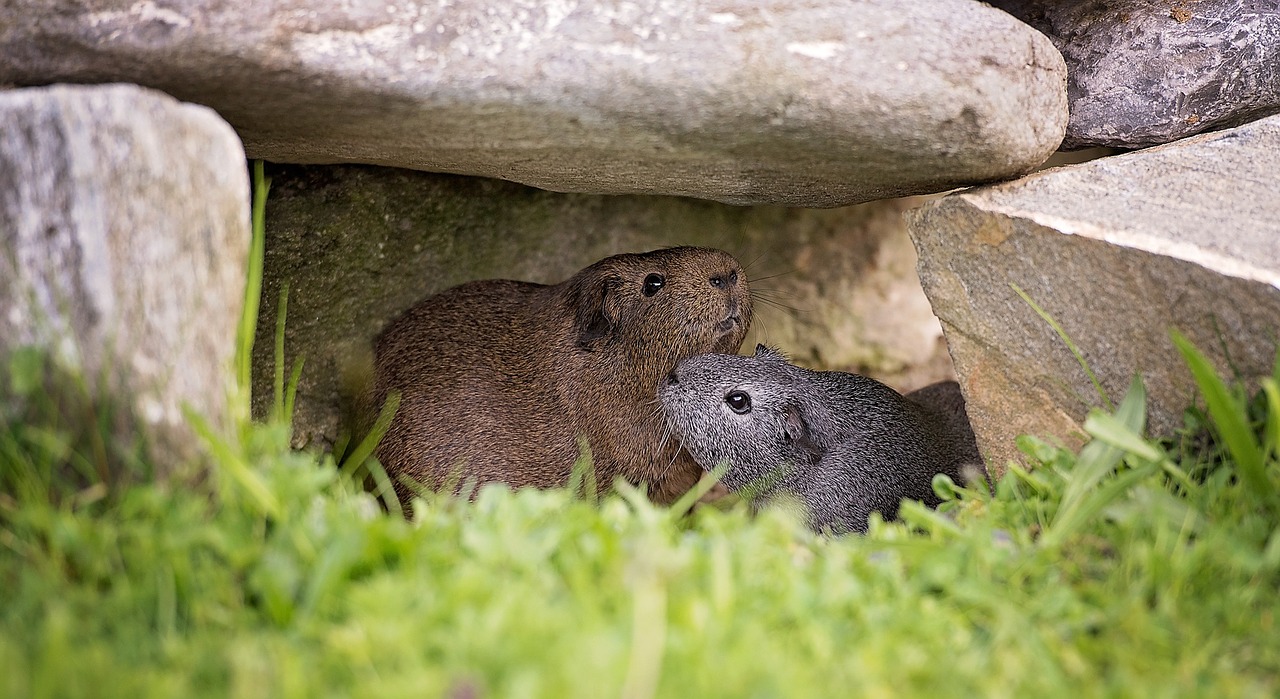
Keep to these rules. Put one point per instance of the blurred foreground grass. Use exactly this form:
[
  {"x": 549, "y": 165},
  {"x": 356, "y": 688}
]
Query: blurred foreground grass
[{"x": 1126, "y": 570}]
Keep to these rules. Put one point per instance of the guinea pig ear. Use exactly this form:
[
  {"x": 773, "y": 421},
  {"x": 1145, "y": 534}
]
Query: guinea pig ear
[
  {"x": 766, "y": 352},
  {"x": 796, "y": 432},
  {"x": 595, "y": 312}
]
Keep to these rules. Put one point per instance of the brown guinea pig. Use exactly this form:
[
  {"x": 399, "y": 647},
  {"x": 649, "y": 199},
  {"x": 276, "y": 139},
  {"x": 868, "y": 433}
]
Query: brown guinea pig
[{"x": 499, "y": 379}]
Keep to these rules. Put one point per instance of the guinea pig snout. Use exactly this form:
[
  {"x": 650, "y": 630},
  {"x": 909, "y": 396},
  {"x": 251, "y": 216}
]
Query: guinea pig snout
[
  {"x": 672, "y": 379},
  {"x": 732, "y": 316}
]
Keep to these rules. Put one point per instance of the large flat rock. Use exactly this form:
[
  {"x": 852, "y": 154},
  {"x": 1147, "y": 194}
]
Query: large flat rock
[
  {"x": 1144, "y": 73},
  {"x": 836, "y": 288},
  {"x": 741, "y": 101},
  {"x": 1119, "y": 251},
  {"x": 124, "y": 233}
]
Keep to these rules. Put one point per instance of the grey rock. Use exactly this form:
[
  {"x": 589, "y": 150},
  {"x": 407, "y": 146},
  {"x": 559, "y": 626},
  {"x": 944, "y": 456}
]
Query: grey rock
[
  {"x": 837, "y": 288},
  {"x": 1117, "y": 250},
  {"x": 124, "y": 232},
  {"x": 741, "y": 101},
  {"x": 1143, "y": 73}
]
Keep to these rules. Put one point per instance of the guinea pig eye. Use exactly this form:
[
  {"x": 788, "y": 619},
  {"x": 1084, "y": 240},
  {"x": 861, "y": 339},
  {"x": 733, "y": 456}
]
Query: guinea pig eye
[
  {"x": 739, "y": 402},
  {"x": 653, "y": 284}
]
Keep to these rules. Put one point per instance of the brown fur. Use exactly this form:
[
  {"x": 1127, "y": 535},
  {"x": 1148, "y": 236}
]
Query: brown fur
[{"x": 499, "y": 379}]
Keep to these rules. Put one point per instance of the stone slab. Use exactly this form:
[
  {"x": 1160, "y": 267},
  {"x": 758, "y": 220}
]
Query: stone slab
[
  {"x": 1119, "y": 251},
  {"x": 816, "y": 104}
]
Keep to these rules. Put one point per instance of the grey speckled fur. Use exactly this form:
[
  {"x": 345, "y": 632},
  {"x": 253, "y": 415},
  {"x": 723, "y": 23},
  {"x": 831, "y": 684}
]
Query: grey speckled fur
[{"x": 844, "y": 445}]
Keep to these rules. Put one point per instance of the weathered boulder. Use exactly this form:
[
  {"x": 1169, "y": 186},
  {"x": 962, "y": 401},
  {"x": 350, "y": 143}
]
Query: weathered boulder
[
  {"x": 1117, "y": 250},
  {"x": 124, "y": 233},
  {"x": 359, "y": 244},
  {"x": 1143, "y": 73},
  {"x": 741, "y": 101}
]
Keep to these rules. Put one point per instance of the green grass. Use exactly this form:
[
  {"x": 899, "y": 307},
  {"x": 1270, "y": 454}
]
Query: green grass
[{"x": 1133, "y": 568}]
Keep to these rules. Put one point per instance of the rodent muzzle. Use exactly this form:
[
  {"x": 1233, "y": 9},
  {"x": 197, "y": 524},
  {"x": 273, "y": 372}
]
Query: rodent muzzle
[
  {"x": 733, "y": 317},
  {"x": 728, "y": 324},
  {"x": 672, "y": 379}
]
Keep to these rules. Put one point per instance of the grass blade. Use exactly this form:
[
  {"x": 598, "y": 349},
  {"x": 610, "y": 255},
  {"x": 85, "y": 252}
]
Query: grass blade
[
  {"x": 1110, "y": 430},
  {"x": 1066, "y": 524},
  {"x": 704, "y": 485},
  {"x": 1115, "y": 433},
  {"x": 1097, "y": 460},
  {"x": 253, "y": 284},
  {"x": 1271, "y": 449},
  {"x": 1066, "y": 339},
  {"x": 291, "y": 391},
  {"x": 282, "y": 313},
  {"x": 239, "y": 470},
  {"x": 1229, "y": 418},
  {"x": 366, "y": 446},
  {"x": 386, "y": 491}
]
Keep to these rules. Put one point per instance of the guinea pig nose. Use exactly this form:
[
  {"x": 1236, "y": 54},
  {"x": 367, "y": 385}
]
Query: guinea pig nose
[{"x": 672, "y": 379}]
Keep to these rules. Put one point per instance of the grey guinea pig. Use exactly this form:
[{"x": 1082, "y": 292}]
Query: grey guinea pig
[{"x": 844, "y": 445}]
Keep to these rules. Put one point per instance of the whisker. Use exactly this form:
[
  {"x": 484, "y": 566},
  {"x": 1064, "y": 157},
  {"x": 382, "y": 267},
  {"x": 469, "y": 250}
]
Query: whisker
[
  {"x": 773, "y": 292},
  {"x": 781, "y": 305},
  {"x": 776, "y": 291},
  {"x": 752, "y": 263},
  {"x": 675, "y": 454},
  {"x": 764, "y": 336},
  {"x": 772, "y": 303},
  {"x": 775, "y": 295},
  {"x": 793, "y": 270},
  {"x": 656, "y": 413},
  {"x": 666, "y": 436},
  {"x": 781, "y": 296}
]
